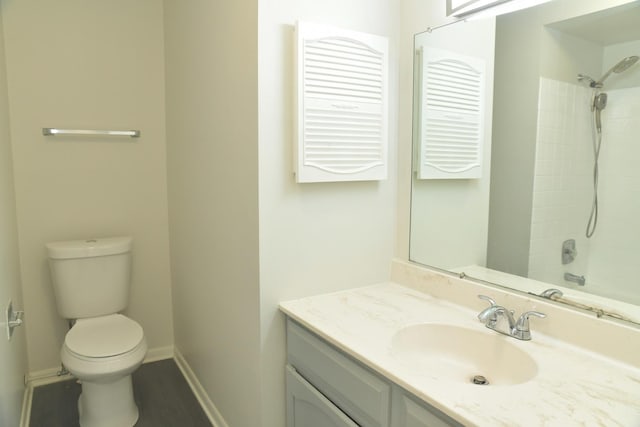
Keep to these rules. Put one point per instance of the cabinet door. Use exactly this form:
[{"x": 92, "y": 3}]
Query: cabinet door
[
  {"x": 307, "y": 407},
  {"x": 359, "y": 393},
  {"x": 407, "y": 412}
]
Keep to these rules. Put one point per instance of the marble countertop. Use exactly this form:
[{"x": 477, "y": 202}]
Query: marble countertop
[{"x": 573, "y": 386}]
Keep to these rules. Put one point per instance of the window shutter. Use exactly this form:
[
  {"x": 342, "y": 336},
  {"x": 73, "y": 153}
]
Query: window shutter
[
  {"x": 452, "y": 115},
  {"x": 342, "y": 108}
]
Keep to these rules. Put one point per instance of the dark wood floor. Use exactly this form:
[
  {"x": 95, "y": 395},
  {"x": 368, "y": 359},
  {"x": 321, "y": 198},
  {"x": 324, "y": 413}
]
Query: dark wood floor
[{"x": 162, "y": 394}]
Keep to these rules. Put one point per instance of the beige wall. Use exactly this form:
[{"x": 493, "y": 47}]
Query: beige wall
[
  {"x": 212, "y": 140},
  {"x": 314, "y": 238},
  {"x": 88, "y": 64},
  {"x": 13, "y": 356}
]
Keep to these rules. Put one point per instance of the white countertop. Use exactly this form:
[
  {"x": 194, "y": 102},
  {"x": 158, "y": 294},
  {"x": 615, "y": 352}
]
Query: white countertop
[{"x": 573, "y": 386}]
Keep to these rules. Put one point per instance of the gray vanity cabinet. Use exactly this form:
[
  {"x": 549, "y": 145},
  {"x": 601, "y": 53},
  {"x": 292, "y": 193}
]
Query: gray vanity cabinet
[{"x": 327, "y": 388}]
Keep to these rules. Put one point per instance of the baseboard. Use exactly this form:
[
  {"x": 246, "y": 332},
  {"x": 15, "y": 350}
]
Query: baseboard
[
  {"x": 50, "y": 376},
  {"x": 159, "y": 353},
  {"x": 46, "y": 376},
  {"x": 25, "y": 415},
  {"x": 203, "y": 398}
]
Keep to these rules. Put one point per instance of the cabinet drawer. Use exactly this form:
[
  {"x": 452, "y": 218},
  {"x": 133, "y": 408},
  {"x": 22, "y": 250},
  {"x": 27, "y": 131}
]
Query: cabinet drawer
[
  {"x": 358, "y": 392},
  {"x": 411, "y": 412}
]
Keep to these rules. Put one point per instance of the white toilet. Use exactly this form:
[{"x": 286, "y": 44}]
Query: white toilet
[{"x": 91, "y": 281}]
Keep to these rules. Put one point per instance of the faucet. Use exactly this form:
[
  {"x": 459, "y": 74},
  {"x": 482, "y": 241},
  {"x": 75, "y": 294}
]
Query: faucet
[
  {"x": 550, "y": 293},
  {"x": 580, "y": 280},
  {"x": 516, "y": 328}
]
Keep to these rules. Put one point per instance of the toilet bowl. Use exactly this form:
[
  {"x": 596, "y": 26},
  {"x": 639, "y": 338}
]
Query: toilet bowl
[{"x": 102, "y": 353}]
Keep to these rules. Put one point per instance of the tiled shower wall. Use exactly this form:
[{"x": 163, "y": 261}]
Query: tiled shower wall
[
  {"x": 614, "y": 247},
  {"x": 563, "y": 189}
]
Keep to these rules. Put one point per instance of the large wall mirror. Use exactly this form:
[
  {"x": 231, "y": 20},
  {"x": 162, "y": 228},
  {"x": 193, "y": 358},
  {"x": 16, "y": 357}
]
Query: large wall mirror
[{"x": 550, "y": 126}]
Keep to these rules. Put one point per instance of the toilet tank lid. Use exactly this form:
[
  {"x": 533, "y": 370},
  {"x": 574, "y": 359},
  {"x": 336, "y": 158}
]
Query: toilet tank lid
[{"x": 89, "y": 248}]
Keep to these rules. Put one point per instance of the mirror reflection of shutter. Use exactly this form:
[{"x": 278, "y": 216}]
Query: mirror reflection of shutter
[
  {"x": 342, "y": 130},
  {"x": 460, "y": 8},
  {"x": 452, "y": 115}
]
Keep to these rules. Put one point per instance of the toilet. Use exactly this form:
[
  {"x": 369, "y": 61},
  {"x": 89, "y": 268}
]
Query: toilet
[{"x": 91, "y": 280}]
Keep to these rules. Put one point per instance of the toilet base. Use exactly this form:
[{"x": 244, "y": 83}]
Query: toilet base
[{"x": 107, "y": 404}]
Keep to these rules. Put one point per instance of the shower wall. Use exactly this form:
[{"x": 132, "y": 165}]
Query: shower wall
[
  {"x": 562, "y": 186},
  {"x": 563, "y": 189},
  {"x": 564, "y": 160},
  {"x": 613, "y": 251}
]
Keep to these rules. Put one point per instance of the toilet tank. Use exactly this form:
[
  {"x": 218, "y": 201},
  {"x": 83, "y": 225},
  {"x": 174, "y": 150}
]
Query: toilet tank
[{"x": 90, "y": 277}]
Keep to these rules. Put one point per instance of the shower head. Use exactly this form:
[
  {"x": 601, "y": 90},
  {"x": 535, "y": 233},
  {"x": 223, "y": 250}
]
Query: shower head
[
  {"x": 620, "y": 67},
  {"x": 625, "y": 64}
]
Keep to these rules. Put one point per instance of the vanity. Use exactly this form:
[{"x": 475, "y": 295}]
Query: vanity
[{"x": 412, "y": 352}]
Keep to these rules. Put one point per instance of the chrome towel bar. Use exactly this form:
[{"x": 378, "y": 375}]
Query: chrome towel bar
[{"x": 56, "y": 131}]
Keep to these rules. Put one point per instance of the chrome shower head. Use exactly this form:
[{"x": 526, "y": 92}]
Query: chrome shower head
[
  {"x": 620, "y": 67},
  {"x": 625, "y": 64}
]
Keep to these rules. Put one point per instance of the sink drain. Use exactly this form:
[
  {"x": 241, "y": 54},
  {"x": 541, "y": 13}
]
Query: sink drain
[{"x": 479, "y": 380}]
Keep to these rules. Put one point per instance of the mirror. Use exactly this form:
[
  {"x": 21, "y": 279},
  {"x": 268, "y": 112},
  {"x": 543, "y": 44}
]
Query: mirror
[{"x": 522, "y": 223}]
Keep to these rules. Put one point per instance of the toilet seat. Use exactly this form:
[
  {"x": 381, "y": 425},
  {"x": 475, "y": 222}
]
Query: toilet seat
[{"x": 104, "y": 337}]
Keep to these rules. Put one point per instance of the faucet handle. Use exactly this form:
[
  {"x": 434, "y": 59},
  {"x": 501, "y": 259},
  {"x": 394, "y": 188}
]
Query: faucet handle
[
  {"x": 486, "y": 298},
  {"x": 488, "y": 314},
  {"x": 521, "y": 329},
  {"x": 550, "y": 293}
]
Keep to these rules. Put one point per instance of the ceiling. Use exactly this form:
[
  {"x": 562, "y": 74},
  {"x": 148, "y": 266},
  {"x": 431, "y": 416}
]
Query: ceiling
[{"x": 616, "y": 25}]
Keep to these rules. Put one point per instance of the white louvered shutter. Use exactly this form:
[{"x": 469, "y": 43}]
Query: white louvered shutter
[
  {"x": 452, "y": 115},
  {"x": 342, "y": 105}
]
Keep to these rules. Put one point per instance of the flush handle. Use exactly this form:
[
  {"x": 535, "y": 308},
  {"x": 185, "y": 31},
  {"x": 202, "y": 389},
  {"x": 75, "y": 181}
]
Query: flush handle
[{"x": 14, "y": 319}]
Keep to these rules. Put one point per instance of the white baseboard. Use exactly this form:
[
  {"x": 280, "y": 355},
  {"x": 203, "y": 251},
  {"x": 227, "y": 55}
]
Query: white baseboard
[
  {"x": 159, "y": 353},
  {"x": 203, "y": 398},
  {"x": 50, "y": 376},
  {"x": 25, "y": 415},
  {"x": 46, "y": 376}
]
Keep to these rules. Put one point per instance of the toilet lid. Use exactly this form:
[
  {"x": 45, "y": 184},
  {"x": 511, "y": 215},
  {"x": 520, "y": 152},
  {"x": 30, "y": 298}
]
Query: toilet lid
[{"x": 104, "y": 336}]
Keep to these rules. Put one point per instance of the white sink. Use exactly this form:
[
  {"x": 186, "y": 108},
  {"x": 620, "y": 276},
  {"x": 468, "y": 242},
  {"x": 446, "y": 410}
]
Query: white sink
[{"x": 458, "y": 354}]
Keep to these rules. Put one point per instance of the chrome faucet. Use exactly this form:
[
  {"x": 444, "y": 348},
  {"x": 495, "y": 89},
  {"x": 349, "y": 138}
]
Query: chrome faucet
[
  {"x": 488, "y": 314},
  {"x": 550, "y": 293},
  {"x": 519, "y": 329},
  {"x": 580, "y": 280}
]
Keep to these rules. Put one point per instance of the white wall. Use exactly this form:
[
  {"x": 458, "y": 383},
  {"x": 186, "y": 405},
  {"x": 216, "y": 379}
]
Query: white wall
[
  {"x": 13, "y": 356},
  {"x": 314, "y": 238},
  {"x": 88, "y": 64},
  {"x": 212, "y": 142}
]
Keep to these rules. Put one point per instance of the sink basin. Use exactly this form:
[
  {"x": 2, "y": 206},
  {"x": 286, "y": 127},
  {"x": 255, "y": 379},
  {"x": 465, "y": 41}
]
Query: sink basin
[{"x": 458, "y": 354}]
